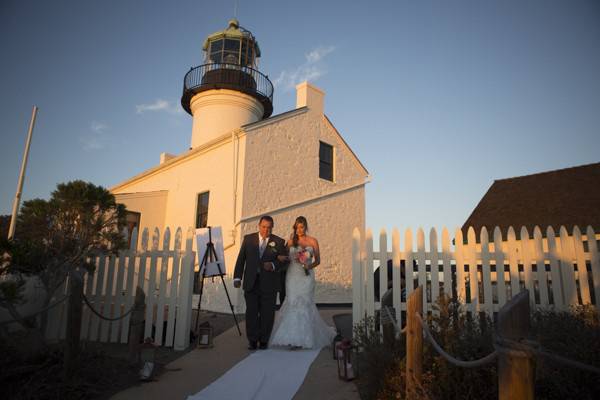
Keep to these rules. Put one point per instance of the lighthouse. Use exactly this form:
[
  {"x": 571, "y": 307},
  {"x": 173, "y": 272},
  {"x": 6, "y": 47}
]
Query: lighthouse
[
  {"x": 243, "y": 162},
  {"x": 227, "y": 91}
]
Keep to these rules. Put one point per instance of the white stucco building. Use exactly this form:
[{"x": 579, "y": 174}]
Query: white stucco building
[{"x": 244, "y": 162}]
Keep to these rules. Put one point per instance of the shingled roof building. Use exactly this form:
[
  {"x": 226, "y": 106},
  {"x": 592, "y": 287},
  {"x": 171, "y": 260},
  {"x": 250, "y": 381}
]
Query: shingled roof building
[{"x": 568, "y": 197}]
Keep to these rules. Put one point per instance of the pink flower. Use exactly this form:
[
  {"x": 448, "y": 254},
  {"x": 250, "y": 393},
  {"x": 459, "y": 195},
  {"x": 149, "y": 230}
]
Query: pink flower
[{"x": 303, "y": 256}]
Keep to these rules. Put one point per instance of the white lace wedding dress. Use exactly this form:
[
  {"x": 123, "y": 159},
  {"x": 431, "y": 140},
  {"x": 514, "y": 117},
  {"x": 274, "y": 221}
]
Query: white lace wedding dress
[{"x": 298, "y": 322}]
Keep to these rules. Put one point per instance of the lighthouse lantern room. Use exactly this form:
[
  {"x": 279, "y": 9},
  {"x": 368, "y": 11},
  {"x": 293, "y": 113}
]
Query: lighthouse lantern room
[{"x": 227, "y": 91}]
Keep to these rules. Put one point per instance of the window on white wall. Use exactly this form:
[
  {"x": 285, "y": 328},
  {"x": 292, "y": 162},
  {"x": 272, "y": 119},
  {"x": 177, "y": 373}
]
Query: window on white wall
[
  {"x": 132, "y": 220},
  {"x": 202, "y": 210},
  {"x": 325, "y": 161}
]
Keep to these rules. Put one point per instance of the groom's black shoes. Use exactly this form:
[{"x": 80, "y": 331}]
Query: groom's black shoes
[
  {"x": 252, "y": 346},
  {"x": 263, "y": 346}
]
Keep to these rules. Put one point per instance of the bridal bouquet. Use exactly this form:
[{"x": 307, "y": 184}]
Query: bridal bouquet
[{"x": 303, "y": 256}]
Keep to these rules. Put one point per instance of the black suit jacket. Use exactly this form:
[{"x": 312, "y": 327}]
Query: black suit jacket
[{"x": 249, "y": 263}]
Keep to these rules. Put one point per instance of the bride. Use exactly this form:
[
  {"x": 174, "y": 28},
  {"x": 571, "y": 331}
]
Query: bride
[{"x": 299, "y": 324}]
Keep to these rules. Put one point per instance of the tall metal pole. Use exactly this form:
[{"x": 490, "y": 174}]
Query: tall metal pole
[{"x": 17, "y": 201}]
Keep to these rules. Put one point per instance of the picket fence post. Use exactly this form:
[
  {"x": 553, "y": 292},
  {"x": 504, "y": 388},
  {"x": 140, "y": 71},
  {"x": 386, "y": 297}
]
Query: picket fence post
[
  {"x": 73, "y": 332},
  {"x": 414, "y": 343},
  {"x": 184, "y": 304},
  {"x": 370, "y": 293},
  {"x": 136, "y": 324},
  {"x": 516, "y": 369},
  {"x": 358, "y": 301}
]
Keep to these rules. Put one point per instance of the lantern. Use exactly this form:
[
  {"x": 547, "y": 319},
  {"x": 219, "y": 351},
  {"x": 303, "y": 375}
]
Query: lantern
[
  {"x": 147, "y": 356},
  {"x": 234, "y": 46},
  {"x": 231, "y": 63},
  {"x": 205, "y": 336},
  {"x": 347, "y": 360}
]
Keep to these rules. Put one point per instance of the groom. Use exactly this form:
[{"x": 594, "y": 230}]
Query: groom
[{"x": 260, "y": 268}]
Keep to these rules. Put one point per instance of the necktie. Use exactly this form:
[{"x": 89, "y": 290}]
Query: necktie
[{"x": 263, "y": 244}]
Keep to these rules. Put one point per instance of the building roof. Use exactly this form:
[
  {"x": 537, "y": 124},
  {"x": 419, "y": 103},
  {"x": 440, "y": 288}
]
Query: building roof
[
  {"x": 194, "y": 152},
  {"x": 360, "y": 164},
  {"x": 568, "y": 197},
  {"x": 225, "y": 138}
]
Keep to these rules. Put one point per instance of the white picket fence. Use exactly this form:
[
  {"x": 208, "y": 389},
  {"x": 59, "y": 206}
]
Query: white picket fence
[
  {"x": 165, "y": 273},
  {"x": 559, "y": 271}
]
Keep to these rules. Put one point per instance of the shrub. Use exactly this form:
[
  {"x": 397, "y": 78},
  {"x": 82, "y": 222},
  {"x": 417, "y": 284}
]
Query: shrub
[
  {"x": 465, "y": 338},
  {"x": 376, "y": 357},
  {"x": 55, "y": 237},
  {"x": 574, "y": 335},
  {"x": 40, "y": 377}
]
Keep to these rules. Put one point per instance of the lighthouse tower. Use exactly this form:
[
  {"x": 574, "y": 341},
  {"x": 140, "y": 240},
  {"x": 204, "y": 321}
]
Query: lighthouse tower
[{"x": 227, "y": 91}]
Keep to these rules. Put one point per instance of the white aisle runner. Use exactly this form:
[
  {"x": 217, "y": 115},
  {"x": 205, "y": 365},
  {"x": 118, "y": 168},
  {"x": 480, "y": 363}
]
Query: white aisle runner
[{"x": 263, "y": 375}]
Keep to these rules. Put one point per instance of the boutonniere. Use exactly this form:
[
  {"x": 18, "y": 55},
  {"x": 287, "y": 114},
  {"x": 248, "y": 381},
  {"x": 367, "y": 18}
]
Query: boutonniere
[{"x": 272, "y": 246}]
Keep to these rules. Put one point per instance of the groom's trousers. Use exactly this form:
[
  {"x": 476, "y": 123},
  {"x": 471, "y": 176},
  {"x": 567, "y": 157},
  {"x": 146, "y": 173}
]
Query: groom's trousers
[{"x": 260, "y": 313}]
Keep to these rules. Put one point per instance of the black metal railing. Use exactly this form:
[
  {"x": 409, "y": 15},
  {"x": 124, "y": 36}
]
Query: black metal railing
[{"x": 228, "y": 76}]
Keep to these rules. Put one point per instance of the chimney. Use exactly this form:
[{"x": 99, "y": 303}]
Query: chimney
[
  {"x": 309, "y": 96},
  {"x": 164, "y": 157}
]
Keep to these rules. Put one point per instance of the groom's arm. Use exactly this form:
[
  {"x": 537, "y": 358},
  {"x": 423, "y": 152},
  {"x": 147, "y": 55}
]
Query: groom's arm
[
  {"x": 238, "y": 272},
  {"x": 281, "y": 250}
]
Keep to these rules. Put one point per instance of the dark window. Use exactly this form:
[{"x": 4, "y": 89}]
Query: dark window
[
  {"x": 247, "y": 53},
  {"x": 325, "y": 161},
  {"x": 231, "y": 55},
  {"x": 216, "y": 51},
  {"x": 202, "y": 210},
  {"x": 217, "y": 45},
  {"x": 132, "y": 220},
  {"x": 232, "y": 45},
  {"x": 216, "y": 57},
  {"x": 246, "y": 60}
]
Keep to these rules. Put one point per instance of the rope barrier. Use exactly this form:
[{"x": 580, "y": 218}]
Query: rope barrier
[
  {"x": 531, "y": 347},
  {"x": 35, "y": 313},
  {"x": 514, "y": 348},
  {"x": 566, "y": 361},
  {"x": 526, "y": 348},
  {"x": 87, "y": 303},
  {"x": 389, "y": 318},
  {"x": 459, "y": 363},
  {"x": 14, "y": 320}
]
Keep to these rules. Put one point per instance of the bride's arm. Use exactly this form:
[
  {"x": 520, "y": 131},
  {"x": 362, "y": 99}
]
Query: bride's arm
[
  {"x": 317, "y": 259},
  {"x": 286, "y": 258}
]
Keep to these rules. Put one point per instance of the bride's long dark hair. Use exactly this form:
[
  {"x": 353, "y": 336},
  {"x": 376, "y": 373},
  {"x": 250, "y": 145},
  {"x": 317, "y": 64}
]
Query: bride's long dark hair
[{"x": 299, "y": 220}]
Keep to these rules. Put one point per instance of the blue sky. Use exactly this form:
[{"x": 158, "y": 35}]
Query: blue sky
[{"x": 437, "y": 98}]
